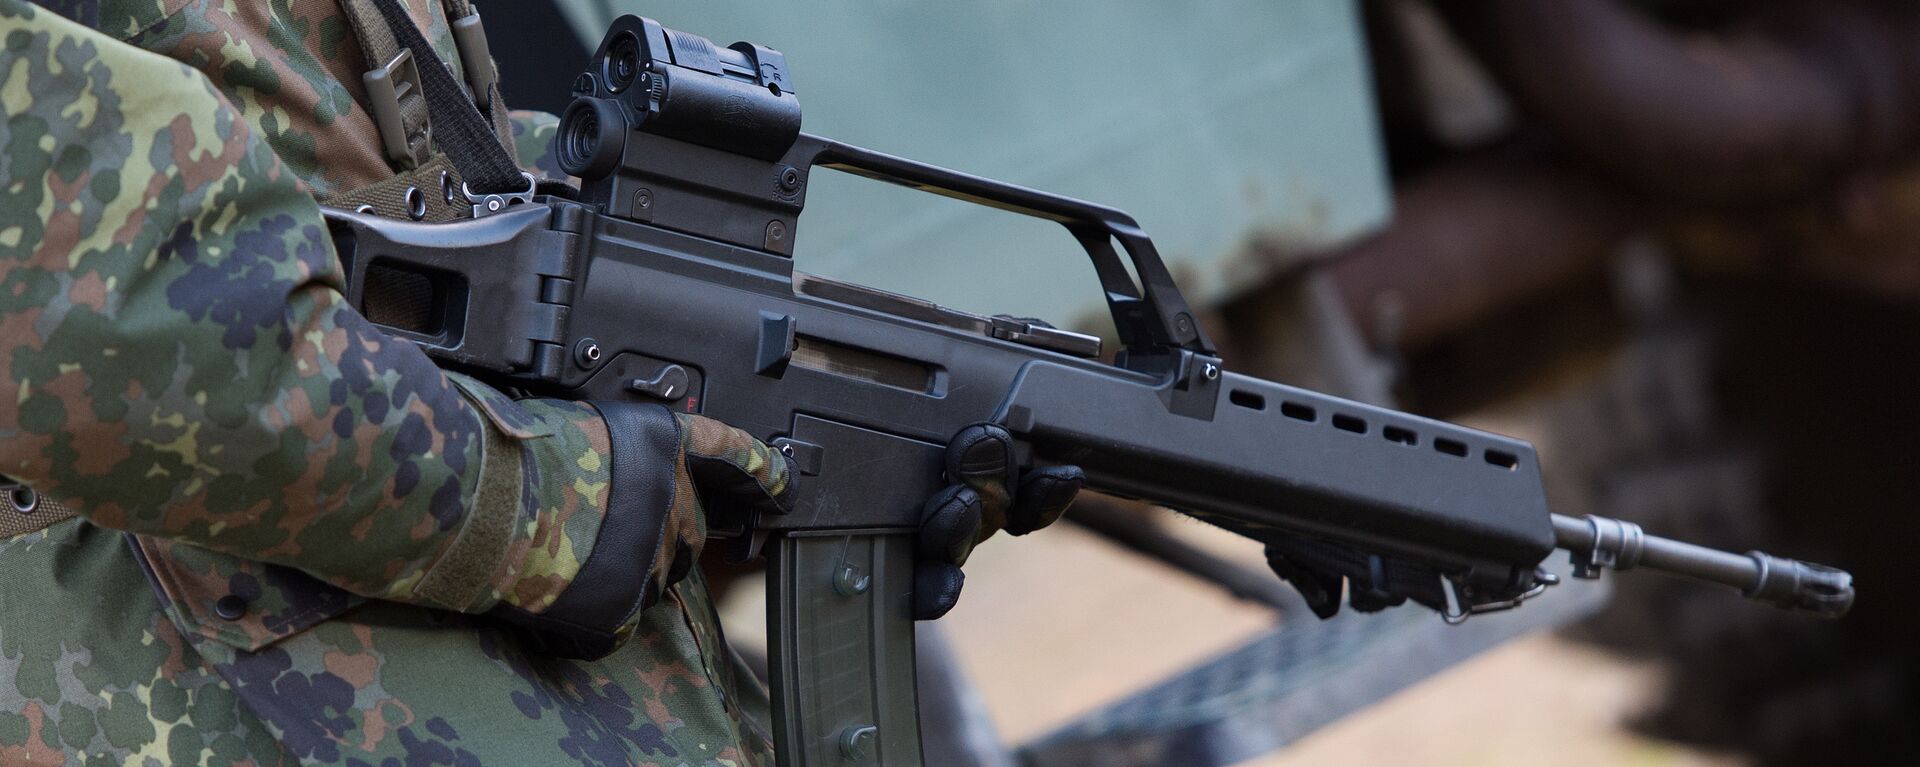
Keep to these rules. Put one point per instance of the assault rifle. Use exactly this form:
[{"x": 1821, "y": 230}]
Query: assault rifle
[{"x": 668, "y": 277}]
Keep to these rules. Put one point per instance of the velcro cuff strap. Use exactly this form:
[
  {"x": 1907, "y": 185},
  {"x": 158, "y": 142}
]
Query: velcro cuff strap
[{"x": 462, "y": 578}]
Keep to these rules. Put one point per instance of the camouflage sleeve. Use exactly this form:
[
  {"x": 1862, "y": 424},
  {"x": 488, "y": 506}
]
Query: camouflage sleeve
[
  {"x": 180, "y": 361},
  {"x": 533, "y": 143}
]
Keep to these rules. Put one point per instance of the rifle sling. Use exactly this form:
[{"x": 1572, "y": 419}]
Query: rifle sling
[{"x": 478, "y": 147}]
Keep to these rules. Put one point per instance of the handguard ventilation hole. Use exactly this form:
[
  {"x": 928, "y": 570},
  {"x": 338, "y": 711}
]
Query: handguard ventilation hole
[
  {"x": 1400, "y": 435},
  {"x": 1247, "y": 399}
]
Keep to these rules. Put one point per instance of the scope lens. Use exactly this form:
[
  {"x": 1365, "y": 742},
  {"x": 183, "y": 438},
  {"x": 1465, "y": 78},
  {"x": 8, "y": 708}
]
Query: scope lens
[{"x": 623, "y": 63}]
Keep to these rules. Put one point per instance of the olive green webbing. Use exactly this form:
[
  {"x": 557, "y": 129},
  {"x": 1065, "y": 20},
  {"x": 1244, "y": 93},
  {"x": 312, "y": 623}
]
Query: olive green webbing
[
  {"x": 390, "y": 197},
  {"x": 461, "y": 577},
  {"x": 45, "y": 512},
  {"x": 376, "y": 40}
]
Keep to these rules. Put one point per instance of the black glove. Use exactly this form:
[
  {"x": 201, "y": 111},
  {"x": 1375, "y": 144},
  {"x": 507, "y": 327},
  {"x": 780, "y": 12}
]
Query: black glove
[
  {"x": 988, "y": 494},
  {"x": 668, "y": 470},
  {"x": 1323, "y": 572}
]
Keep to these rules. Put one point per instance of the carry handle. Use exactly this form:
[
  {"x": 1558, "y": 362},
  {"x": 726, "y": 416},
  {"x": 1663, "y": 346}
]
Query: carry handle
[{"x": 1151, "y": 316}]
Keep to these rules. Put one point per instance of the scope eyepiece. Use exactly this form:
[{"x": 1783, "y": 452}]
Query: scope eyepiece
[{"x": 590, "y": 138}]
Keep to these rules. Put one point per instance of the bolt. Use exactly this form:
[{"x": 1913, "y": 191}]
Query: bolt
[
  {"x": 493, "y": 205},
  {"x": 1183, "y": 325},
  {"x": 789, "y": 179},
  {"x": 1211, "y": 372},
  {"x": 586, "y": 353},
  {"x": 776, "y": 230},
  {"x": 643, "y": 200}
]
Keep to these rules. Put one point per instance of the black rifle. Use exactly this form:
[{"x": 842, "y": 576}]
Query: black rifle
[{"x": 668, "y": 277}]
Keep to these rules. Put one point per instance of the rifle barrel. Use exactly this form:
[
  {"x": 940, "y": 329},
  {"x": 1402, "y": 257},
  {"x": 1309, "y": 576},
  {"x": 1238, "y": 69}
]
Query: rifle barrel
[{"x": 1602, "y": 542}]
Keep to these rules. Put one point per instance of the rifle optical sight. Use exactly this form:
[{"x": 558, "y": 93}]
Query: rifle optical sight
[{"x": 647, "y": 77}]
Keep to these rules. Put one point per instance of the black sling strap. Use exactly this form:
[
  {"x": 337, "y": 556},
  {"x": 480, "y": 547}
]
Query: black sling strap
[{"x": 467, "y": 138}]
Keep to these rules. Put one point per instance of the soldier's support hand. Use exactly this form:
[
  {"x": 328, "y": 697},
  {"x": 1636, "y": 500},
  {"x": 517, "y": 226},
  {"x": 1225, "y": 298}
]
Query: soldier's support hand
[
  {"x": 1325, "y": 573},
  {"x": 988, "y": 494},
  {"x": 668, "y": 471}
]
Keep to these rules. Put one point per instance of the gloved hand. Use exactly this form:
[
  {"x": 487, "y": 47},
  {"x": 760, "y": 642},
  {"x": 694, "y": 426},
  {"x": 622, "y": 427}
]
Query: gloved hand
[
  {"x": 669, "y": 470},
  {"x": 988, "y": 494},
  {"x": 1324, "y": 572}
]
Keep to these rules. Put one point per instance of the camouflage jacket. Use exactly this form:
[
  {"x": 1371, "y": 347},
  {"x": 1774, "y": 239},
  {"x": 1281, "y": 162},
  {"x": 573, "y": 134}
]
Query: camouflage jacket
[{"x": 272, "y": 560}]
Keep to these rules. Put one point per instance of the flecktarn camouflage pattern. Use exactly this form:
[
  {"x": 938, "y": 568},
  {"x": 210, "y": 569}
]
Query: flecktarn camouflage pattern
[{"x": 309, "y": 506}]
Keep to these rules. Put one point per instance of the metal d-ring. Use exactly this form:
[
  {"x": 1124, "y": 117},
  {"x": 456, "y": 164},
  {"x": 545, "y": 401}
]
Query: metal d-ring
[{"x": 488, "y": 204}]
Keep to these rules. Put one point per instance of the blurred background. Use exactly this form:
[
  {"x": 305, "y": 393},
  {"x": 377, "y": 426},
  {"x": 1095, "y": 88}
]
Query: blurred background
[{"x": 1674, "y": 243}]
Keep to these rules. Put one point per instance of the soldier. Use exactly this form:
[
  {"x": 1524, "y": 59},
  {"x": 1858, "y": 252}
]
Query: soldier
[{"x": 251, "y": 528}]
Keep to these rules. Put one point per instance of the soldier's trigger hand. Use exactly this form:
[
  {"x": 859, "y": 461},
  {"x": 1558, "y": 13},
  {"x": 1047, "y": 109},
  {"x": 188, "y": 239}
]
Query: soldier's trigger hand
[
  {"x": 669, "y": 472},
  {"x": 988, "y": 494},
  {"x": 731, "y": 471}
]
